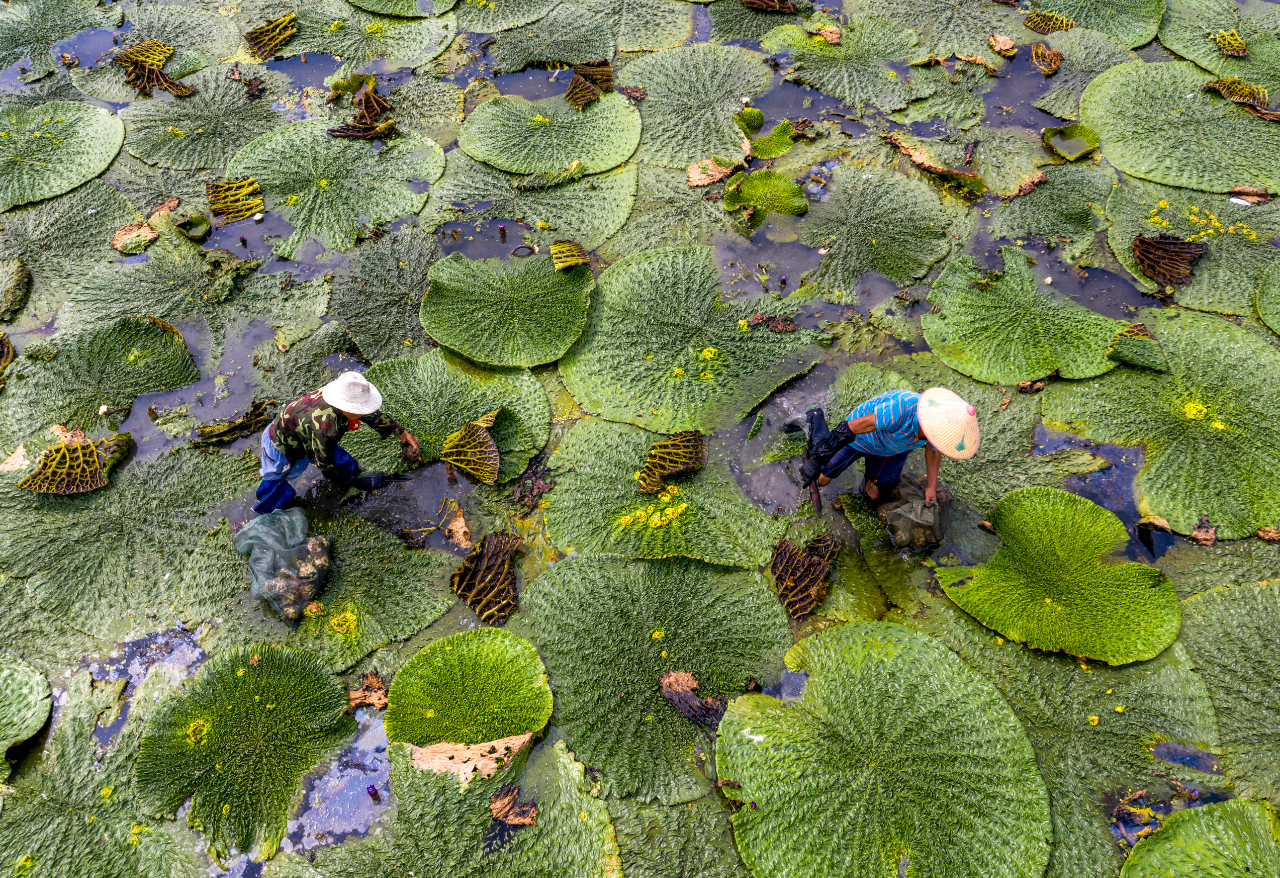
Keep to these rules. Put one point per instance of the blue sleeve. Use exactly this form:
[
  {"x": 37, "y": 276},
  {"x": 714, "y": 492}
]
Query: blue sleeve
[
  {"x": 865, "y": 409},
  {"x": 890, "y": 409}
]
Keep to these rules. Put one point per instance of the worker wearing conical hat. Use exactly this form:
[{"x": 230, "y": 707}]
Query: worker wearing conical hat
[{"x": 883, "y": 431}]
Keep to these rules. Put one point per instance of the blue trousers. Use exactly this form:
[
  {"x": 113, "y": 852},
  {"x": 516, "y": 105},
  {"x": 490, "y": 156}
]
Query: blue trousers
[
  {"x": 884, "y": 471},
  {"x": 277, "y": 471}
]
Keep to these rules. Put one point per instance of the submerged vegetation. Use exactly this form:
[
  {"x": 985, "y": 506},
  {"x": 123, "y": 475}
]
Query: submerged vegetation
[{"x": 607, "y": 260}]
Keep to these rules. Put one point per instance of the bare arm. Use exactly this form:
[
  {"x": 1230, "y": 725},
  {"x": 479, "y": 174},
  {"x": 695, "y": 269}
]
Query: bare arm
[
  {"x": 932, "y": 459},
  {"x": 864, "y": 424}
]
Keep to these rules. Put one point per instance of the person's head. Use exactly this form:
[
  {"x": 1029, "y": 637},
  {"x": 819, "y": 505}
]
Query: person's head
[
  {"x": 352, "y": 395},
  {"x": 949, "y": 423}
]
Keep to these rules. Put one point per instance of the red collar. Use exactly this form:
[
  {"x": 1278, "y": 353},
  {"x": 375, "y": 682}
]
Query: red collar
[{"x": 353, "y": 423}]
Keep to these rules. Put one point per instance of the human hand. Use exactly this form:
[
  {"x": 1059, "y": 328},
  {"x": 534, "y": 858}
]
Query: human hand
[
  {"x": 930, "y": 495},
  {"x": 409, "y": 448}
]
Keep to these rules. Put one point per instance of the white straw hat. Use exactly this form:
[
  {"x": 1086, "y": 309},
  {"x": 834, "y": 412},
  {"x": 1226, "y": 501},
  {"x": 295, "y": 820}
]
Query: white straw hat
[
  {"x": 949, "y": 423},
  {"x": 352, "y": 393}
]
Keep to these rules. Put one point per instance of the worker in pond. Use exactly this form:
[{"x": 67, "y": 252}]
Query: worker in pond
[
  {"x": 308, "y": 431},
  {"x": 883, "y": 431}
]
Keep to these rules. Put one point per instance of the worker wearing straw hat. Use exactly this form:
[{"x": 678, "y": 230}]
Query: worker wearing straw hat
[{"x": 883, "y": 431}]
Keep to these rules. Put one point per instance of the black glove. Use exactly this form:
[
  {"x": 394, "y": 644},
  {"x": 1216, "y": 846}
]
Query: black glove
[
  {"x": 809, "y": 471},
  {"x": 375, "y": 481},
  {"x": 825, "y": 448}
]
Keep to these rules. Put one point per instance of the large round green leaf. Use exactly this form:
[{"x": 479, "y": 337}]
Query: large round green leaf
[
  {"x": 550, "y": 135},
  {"x": 332, "y": 188},
  {"x": 506, "y": 312},
  {"x": 1056, "y": 584},
  {"x": 468, "y": 688},
  {"x": 596, "y": 509},
  {"x": 663, "y": 350},
  {"x": 1208, "y": 426},
  {"x": 24, "y": 704},
  {"x": 610, "y": 630},
  {"x": 358, "y": 37},
  {"x": 874, "y": 220},
  {"x": 1231, "y": 632},
  {"x": 31, "y": 28},
  {"x": 201, "y": 131},
  {"x": 1268, "y": 299},
  {"x": 947, "y": 27},
  {"x": 435, "y": 394},
  {"x": 53, "y": 148},
  {"x": 1066, "y": 210},
  {"x": 481, "y": 17},
  {"x": 1235, "y": 839},
  {"x": 892, "y": 726},
  {"x": 406, "y": 8},
  {"x": 238, "y": 741},
  {"x": 1008, "y": 327},
  {"x": 569, "y": 34},
  {"x": 1156, "y": 123},
  {"x": 1190, "y": 26},
  {"x": 644, "y": 25},
  {"x": 668, "y": 212},
  {"x": 1085, "y": 54},
  {"x": 855, "y": 70},
  {"x": 1132, "y": 22},
  {"x": 1235, "y": 236},
  {"x": 692, "y": 93}
]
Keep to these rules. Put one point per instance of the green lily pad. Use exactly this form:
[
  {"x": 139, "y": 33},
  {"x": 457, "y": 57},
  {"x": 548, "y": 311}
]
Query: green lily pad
[
  {"x": 24, "y": 704},
  {"x": 1196, "y": 422},
  {"x": 332, "y": 188},
  {"x": 486, "y": 17},
  {"x": 1132, "y": 22},
  {"x": 567, "y": 35},
  {"x": 948, "y": 28},
  {"x": 664, "y": 351},
  {"x": 468, "y": 688},
  {"x": 692, "y": 94},
  {"x": 551, "y": 136},
  {"x": 29, "y": 29},
  {"x": 1223, "y": 280},
  {"x": 1072, "y": 141},
  {"x": 1190, "y": 26},
  {"x": 1085, "y": 54},
  {"x": 587, "y": 210},
  {"x": 881, "y": 704},
  {"x": 776, "y": 144},
  {"x": 673, "y": 841},
  {"x": 605, "y": 628},
  {"x": 506, "y": 312},
  {"x": 1231, "y": 839},
  {"x": 874, "y": 220},
  {"x": 1229, "y": 630},
  {"x": 737, "y": 21},
  {"x": 201, "y": 131},
  {"x": 101, "y": 367},
  {"x": 1156, "y": 123},
  {"x": 854, "y": 70},
  {"x": 668, "y": 212},
  {"x": 1090, "y": 754},
  {"x": 645, "y": 25},
  {"x": 951, "y": 96},
  {"x": 377, "y": 294},
  {"x": 53, "y": 148},
  {"x": 1006, "y": 159},
  {"x": 1008, "y": 327},
  {"x": 124, "y": 562},
  {"x": 1193, "y": 569},
  {"x": 1268, "y": 299},
  {"x": 428, "y": 106},
  {"x": 437, "y": 393},
  {"x": 761, "y": 193},
  {"x": 596, "y": 509},
  {"x": 144, "y": 184},
  {"x": 405, "y": 8},
  {"x": 1067, "y": 211},
  {"x": 358, "y": 37},
  {"x": 245, "y": 709},
  {"x": 1056, "y": 585}
]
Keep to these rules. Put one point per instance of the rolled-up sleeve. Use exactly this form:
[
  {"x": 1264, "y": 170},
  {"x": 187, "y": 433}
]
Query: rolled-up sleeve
[{"x": 385, "y": 425}]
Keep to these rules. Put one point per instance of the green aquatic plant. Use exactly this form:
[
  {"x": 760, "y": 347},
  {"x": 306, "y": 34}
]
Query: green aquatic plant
[
  {"x": 662, "y": 350},
  {"x": 874, "y": 220},
  {"x": 947, "y": 28},
  {"x": 545, "y": 137},
  {"x": 1209, "y": 408},
  {"x": 1006, "y": 161},
  {"x": 1228, "y": 630},
  {"x": 1093, "y": 729},
  {"x": 506, "y": 312},
  {"x": 1071, "y": 142},
  {"x": 468, "y": 688},
  {"x": 358, "y": 37},
  {"x": 1056, "y": 584},
  {"x": 1232, "y": 839},
  {"x": 1224, "y": 39},
  {"x": 1136, "y": 346},
  {"x": 29, "y": 29},
  {"x": 433, "y": 395},
  {"x": 595, "y": 507},
  {"x": 24, "y": 704},
  {"x": 855, "y": 69},
  {"x": 482, "y": 17},
  {"x": 953, "y": 96},
  {"x": 1131, "y": 22},
  {"x": 881, "y": 704},
  {"x": 668, "y": 212},
  {"x": 761, "y": 193},
  {"x": 608, "y": 632},
  {"x": 53, "y": 148},
  {"x": 404, "y": 8},
  {"x": 235, "y": 200},
  {"x": 96, "y": 369},
  {"x": 643, "y": 25},
  {"x": 203, "y": 131},
  {"x": 1007, "y": 327},
  {"x": 672, "y": 841},
  {"x": 691, "y": 95},
  {"x": 568, "y": 34},
  {"x": 1267, "y": 301},
  {"x": 429, "y": 106},
  {"x": 1157, "y": 123},
  {"x": 238, "y": 741},
  {"x": 333, "y": 189},
  {"x": 472, "y": 449},
  {"x": 1067, "y": 211}
]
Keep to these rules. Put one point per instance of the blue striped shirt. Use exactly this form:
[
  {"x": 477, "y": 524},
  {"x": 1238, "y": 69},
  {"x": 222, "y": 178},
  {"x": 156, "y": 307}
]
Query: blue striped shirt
[{"x": 896, "y": 424}]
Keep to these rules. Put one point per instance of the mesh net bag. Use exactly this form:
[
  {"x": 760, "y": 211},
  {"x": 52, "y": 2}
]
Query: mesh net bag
[
  {"x": 288, "y": 567},
  {"x": 911, "y": 521}
]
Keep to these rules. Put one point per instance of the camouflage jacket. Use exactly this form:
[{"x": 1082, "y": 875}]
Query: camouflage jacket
[{"x": 309, "y": 427}]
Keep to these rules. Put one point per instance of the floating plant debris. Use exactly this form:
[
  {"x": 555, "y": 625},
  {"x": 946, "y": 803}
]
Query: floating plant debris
[
  {"x": 1047, "y": 22},
  {"x": 680, "y": 688},
  {"x": 1167, "y": 259},
  {"x": 487, "y": 579},
  {"x": 505, "y": 807},
  {"x": 1240, "y": 92},
  {"x": 266, "y": 39},
  {"x": 368, "y": 123},
  {"x": 598, "y": 73},
  {"x": 783, "y": 6},
  {"x": 800, "y": 574},
  {"x": 77, "y": 465},
  {"x": 1048, "y": 60},
  {"x": 235, "y": 200},
  {"x": 230, "y": 429},
  {"x": 471, "y": 449},
  {"x": 581, "y": 92},
  {"x": 566, "y": 254},
  {"x": 1230, "y": 43},
  {"x": 143, "y": 65},
  {"x": 681, "y": 453}
]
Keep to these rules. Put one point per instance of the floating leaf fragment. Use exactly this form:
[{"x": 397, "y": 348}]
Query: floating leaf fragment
[
  {"x": 1167, "y": 259},
  {"x": 800, "y": 574},
  {"x": 267, "y": 38},
  {"x": 677, "y": 455},
  {"x": 486, "y": 580},
  {"x": 1043, "y": 22},
  {"x": 77, "y": 465}
]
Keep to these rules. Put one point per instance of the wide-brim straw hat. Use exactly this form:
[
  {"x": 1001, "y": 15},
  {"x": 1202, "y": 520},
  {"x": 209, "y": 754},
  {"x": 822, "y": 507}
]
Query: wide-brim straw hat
[
  {"x": 949, "y": 423},
  {"x": 352, "y": 393}
]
